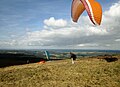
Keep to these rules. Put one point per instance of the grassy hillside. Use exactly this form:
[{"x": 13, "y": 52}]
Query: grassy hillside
[{"x": 86, "y": 72}]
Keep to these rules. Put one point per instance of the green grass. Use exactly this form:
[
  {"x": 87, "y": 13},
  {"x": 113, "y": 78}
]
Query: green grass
[{"x": 84, "y": 73}]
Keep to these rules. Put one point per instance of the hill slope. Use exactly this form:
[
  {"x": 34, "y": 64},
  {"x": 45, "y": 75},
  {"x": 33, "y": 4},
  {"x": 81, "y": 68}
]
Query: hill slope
[{"x": 88, "y": 72}]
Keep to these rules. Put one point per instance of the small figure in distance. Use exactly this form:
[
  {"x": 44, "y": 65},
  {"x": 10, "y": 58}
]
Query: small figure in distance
[{"x": 73, "y": 57}]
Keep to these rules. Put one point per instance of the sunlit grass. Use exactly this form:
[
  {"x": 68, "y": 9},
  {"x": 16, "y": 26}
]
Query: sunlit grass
[{"x": 84, "y": 73}]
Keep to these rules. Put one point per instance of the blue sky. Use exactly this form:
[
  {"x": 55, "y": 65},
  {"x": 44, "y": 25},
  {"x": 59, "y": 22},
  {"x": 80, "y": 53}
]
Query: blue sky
[
  {"x": 20, "y": 17},
  {"x": 31, "y": 13}
]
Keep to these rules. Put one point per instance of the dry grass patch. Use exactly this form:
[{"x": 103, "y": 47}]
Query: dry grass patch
[{"x": 84, "y": 73}]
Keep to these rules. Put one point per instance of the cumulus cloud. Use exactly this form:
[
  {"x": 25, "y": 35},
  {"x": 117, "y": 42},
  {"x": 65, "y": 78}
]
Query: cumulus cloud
[
  {"x": 52, "y": 22},
  {"x": 114, "y": 10},
  {"x": 117, "y": 40},
  {"x": 59, "y": 33},
  {"x": 88, "y": 44},
  {"x": 8, "y": 43}
]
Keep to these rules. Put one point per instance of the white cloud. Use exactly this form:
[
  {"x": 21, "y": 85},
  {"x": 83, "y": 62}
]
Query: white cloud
[
  {"x": 55, "y": 23},
  {"x": 114, "y": 10},
  {"x": 8, "y": 43},
  {"x": 88, "y": 44},
  {"x": 70, "y": 35},
  {"x": 108, "y": 45},
  {"x": 59, "y": 33},
  {"x": 117, "y": 40},
  {"x": 111, "y": 18}
]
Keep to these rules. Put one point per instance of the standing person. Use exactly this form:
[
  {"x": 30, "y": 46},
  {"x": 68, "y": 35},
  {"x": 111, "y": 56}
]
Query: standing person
[{"x": 73, "y": 57}]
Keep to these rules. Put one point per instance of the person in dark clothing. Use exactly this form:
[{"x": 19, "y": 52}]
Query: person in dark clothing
[{"x": 73, "y": 57}]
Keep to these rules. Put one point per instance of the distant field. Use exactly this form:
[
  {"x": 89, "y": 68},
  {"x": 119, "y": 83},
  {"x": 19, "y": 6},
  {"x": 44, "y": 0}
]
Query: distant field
[{"x": 86, "y": 72}]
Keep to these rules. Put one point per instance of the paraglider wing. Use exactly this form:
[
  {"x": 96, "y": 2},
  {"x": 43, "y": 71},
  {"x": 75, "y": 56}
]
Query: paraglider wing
[
  {"x": 47, "y": 55},
  {"x": 92, "y": 7},
  {"x": 77, "y": 9},
  {"x": 94, "y": 11}
]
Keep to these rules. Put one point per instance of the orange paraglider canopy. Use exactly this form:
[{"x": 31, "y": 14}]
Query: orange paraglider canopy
[
  {"x": 92, "y": 7},
  {"x": 77, "y": 9}
]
